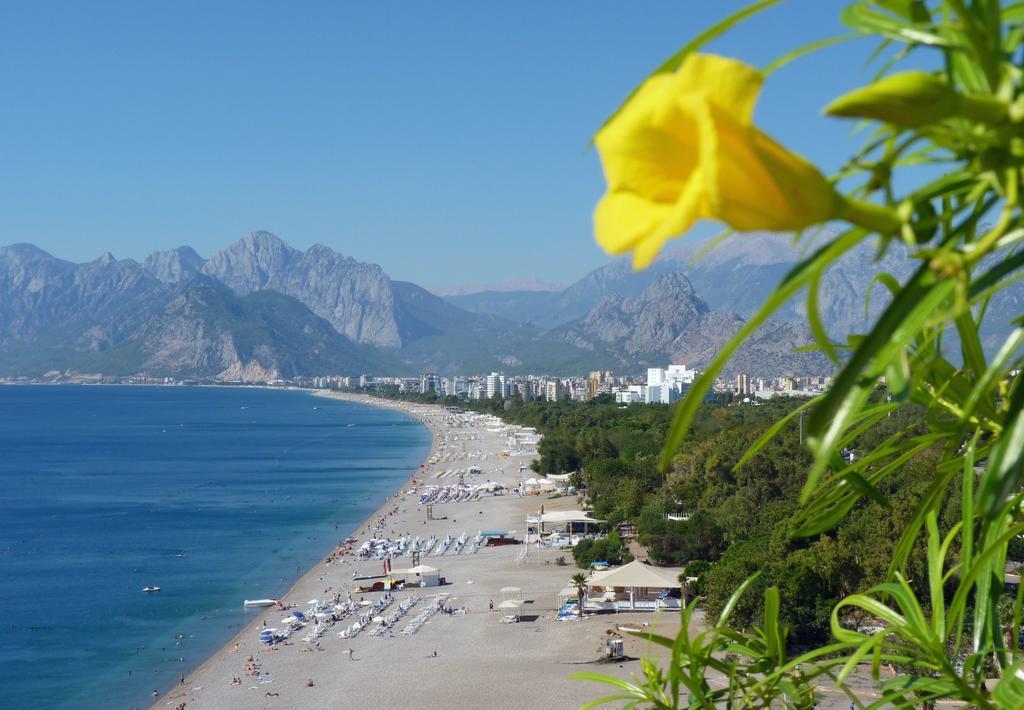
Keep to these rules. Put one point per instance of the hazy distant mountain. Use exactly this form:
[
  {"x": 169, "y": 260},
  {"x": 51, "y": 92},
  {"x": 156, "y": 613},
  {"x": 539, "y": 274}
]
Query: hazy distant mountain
[
  {"x": 175, "y": 265},
  {"x": 512, "y": 284},
  {"x": 735, "y": 276},
  {"x": 669, "y": 321},
  {"x": 260, "y": 307}
]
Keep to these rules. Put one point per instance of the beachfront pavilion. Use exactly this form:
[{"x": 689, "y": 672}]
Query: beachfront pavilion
[
  {"x": 633, "y": 587},
  {"x": 567, "y": 523}
]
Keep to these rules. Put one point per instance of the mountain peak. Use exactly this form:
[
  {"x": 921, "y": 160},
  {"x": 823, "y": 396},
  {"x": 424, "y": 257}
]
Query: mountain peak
[
  {"x": 674, "y": 288},
  {"x": 105, "y": 259},
  {"x": 174, "y": 265},
  {"x": 264, "y": 238}
]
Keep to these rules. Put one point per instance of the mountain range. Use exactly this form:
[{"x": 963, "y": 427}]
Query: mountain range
[{"x": 260, "y": 309}]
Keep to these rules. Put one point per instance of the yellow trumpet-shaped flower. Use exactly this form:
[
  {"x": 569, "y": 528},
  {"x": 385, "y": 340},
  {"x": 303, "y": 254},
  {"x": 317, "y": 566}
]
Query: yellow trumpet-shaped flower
[{"x": 684, "y": 148}]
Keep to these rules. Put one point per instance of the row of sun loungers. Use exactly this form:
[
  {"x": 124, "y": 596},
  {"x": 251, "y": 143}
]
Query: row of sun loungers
[
  {"x": 419, "y": 620},
  {"x": 392, "y": 619}
]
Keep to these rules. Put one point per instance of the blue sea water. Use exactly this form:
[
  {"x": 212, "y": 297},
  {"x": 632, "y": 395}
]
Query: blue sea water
[{"x": 214, "y": 494}]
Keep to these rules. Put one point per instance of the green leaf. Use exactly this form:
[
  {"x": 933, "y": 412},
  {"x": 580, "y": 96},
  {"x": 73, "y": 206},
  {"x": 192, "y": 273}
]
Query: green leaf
[
  {"x": 814, "y": 321},
  {"x": 862, "y": 18},
  {"x": 774, "y": 635},
  {"x": 970, "y": 344},
  {"x": 1005, "y": 470}
]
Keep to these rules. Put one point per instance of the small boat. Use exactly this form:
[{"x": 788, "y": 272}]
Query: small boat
[
  {"x": 260, "y": 602},
  {"x": 151, "y": 589}
]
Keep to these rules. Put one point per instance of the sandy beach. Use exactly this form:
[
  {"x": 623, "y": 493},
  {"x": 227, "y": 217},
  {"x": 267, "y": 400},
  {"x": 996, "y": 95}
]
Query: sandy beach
[{"x": 454, "y": 661}]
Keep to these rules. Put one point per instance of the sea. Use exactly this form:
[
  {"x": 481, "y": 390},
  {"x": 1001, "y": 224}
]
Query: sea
[{"x": 214, "y": 494}]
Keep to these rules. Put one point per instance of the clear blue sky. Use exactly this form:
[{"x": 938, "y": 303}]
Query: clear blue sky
[{"x": 445, "y": 141}]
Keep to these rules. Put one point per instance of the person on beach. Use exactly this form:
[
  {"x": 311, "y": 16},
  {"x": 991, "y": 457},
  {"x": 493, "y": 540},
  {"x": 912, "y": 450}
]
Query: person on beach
[{"x": 350, "y": 652}]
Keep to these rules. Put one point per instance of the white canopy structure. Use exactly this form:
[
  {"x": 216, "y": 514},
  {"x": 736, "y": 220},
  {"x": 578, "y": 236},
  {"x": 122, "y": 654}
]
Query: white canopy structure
[
  {"x": 563, "y": 516},
  {"x": 646, "y": 586},
  {"x": 635, "y": 574},
  {"x": 427, "y": 576},
  {"x": 511, "y": 608}
]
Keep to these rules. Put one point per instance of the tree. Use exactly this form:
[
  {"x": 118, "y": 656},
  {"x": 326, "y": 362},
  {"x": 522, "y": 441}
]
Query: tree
[{"x": 579, "y": 581}]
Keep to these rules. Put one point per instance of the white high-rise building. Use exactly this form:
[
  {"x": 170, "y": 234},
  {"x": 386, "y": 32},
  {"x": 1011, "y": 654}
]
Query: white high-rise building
[
  {"x": 665, "y": 386},
  {"x": 552, "y": 390},
  {"x": 493, "y": 385}
]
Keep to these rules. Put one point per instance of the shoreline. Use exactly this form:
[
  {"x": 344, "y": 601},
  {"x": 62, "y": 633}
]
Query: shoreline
[
  {"x": 248, "y": 629},
  {"x": 455, "y": 661}
]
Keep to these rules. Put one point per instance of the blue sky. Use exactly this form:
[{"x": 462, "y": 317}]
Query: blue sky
[{"x": 444, "y": 141}]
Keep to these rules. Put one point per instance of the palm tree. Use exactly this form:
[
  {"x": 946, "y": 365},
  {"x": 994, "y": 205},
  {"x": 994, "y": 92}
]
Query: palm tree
[{"x": 579, "y": 581}]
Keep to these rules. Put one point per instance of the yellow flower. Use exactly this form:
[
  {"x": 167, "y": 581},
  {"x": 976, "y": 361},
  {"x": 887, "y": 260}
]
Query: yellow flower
[{"x": 684, "y": 149}]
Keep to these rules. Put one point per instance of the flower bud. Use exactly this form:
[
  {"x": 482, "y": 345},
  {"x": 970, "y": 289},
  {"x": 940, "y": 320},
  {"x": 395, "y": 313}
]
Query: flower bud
[{"x": 913, "y": 98}]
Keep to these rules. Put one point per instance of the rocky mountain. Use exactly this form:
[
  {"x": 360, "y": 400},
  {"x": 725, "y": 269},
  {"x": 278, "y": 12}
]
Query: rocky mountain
[
  {"x": 120, "y": 317},
  {"x": 88, "y": 305},
  {"x": 356, "y": 298},
  {"x": 261, "y": 307},
  {"x": 206, "y": 328},
  {"x": 670, "y": 321}
]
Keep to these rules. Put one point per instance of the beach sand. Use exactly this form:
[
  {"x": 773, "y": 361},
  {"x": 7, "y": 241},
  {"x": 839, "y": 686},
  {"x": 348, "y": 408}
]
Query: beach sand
[{"x": 479, "y": 662}]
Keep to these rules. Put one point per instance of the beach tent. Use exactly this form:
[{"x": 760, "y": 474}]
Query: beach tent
[
  {"x": 429, "y": 576},
  {"x": 510, "y": 592}
]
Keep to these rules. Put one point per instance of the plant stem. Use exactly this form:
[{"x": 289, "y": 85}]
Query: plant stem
[{"x": 872, "y": 217}]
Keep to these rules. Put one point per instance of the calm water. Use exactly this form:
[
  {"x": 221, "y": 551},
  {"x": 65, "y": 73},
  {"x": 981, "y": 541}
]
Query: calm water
[{"x": 215, "y": 495}]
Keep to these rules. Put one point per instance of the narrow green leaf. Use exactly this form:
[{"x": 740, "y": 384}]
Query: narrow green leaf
[
  {"x": 771, "y": 433},
  {"x": 970, "y": 344},
  {"x": 1005, "y": 469},
  {"x": 808, "y": 48}
]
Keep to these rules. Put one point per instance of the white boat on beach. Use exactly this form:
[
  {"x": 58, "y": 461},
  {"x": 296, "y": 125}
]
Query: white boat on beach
[{"x": 260, "y": 602}]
